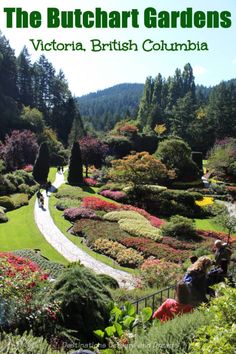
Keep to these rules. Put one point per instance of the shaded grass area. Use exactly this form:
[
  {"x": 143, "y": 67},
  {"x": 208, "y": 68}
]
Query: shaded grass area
[
  {"x": 52, "y": 174},
  {"x": 64, "y": 225},
  {"x": 21, "y": 232}
]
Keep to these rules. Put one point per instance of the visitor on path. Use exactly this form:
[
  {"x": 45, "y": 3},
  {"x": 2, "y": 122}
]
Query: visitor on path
[
  {"x": 41, "y": 202},
  {"x": 171, "y": 308},
  {"x": 48, "y": 187},
  {"x": 38, "y": 195},
  {"x": 197, "y": 280}
]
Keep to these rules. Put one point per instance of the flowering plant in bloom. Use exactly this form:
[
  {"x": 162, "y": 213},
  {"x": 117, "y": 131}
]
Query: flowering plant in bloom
[
  {"x": 73, "y": 214},
  {"x": 96, "y": 203},
  {"x": 28, "y": 168},
  {"x": 205, "y": 201},
  {"x": 159, "y": 273},
  {"x": 115, "y": 195},
  {"x": 90, "y": 181}
]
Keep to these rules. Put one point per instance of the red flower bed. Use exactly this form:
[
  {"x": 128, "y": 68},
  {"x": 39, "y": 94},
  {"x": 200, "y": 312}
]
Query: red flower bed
[
  {"x": 159, "y": 250},
  {"x": 95, "y": 203},
  {"x": 181, "y": 245}
]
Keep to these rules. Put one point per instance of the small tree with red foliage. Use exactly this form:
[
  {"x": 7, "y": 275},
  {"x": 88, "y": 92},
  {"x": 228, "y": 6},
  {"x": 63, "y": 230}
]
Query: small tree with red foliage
[
  {"x": 20, "y": 149},
  {"x": 93, "y": 152}
]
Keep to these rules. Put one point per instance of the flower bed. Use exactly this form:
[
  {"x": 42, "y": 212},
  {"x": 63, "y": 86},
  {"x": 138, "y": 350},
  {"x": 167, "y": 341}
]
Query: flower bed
[
  {"x": 94, "y": 229},
  {"x": 115, "y": 195},
  {"x": 90, "y": 182},
  {"x": 125, "y": 257},
  {"x": 96, "y": 203},
  {"x": 124, "y": 214},
  {"x": 213, "y": 234},
  {"x": 73, "y": 214},
  {"x": 205, "y": 201},
  {"x": 140, "y": 228},
  {"x": 159, "y": 250}
]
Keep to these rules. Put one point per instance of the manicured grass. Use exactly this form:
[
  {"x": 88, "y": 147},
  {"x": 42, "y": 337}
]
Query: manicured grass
[
  {"x": 52, "y": 174},
  {"x": 209, "y": 224},
  {"x": 21, "y": 232},
  {"x": 64, "y": 225}
]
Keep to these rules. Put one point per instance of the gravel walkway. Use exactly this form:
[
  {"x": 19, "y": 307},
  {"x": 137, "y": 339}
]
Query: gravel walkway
[{"x": 68, "y": 249}]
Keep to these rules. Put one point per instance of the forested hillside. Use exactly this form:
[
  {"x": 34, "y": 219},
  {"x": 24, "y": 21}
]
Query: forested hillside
[
  {"x": 33, "y": 96},
  {"x": 104, "y": 108}
]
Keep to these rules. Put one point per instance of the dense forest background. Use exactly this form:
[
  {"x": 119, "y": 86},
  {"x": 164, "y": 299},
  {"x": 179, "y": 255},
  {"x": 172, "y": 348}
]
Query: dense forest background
[{"x": 33, "y": 96}]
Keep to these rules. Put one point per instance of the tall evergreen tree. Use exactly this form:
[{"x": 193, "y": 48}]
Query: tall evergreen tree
[
  {"x": 24, "y": 78},
  {"x": 75, "y": 173},
  {"x": 41, "y": 166}
]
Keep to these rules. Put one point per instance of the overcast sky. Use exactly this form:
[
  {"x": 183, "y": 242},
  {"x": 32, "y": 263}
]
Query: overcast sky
[{"x": 88, "y": 72}]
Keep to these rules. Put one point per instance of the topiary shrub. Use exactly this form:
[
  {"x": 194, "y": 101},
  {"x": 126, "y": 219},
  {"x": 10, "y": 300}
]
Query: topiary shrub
[
  {"x": 25, "y": 344},
  {"x": 85, "y": 301},
  {"x": 107, "y": 280},
  {"x": 3, "y": 217},
  {"x": 179, "y": 227},
  {"x": 7, "y": 202}
]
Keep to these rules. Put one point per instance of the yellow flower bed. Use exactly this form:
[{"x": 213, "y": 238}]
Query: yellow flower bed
[{"x": 205, "y": 201}]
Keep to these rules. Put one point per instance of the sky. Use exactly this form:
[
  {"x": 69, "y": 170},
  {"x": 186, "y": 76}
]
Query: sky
[{"x": 88, "y": 71}]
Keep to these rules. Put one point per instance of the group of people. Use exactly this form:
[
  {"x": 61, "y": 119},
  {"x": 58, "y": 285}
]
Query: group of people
[{"x": 196, "y": 284}]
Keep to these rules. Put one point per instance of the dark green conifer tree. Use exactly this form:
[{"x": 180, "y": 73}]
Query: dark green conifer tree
[
  {"x": 41, "y": 166},
  {"x": 75, "y": 173}
]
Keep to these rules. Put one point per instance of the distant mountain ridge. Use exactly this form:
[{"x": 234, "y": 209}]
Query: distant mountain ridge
[{"x": 104, "y": 108}]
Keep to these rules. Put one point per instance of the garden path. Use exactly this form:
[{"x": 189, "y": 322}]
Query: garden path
[{"x": 67, "y": 248}]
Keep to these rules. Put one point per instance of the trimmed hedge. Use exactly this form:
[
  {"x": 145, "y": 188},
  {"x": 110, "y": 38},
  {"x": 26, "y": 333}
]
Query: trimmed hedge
[{"x": 123, "y": 214}]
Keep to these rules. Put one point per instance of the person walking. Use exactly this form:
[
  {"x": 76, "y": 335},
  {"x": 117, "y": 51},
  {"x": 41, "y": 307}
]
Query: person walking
[{"x": 39, "y": 195}]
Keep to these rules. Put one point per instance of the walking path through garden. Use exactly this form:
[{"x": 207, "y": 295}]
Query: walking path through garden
[{"x": 67, "y": 248}]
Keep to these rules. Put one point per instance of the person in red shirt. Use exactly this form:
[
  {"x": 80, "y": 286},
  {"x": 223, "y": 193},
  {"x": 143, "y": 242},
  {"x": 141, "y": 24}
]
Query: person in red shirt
[{"x": 171, "y": 308}]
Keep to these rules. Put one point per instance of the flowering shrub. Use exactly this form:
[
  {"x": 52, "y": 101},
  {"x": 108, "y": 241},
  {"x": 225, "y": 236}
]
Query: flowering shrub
[
  {"x": 140, "y": 228},
  {"x": 90, "y": 181},
  {"x": 159, "y": 273},
  {"x": 77, "y": 213},
  {"x": 205, "y": 201},
  {"x": 181, "y": 245},
  {"x": 113, "y": 249},
  {"x": 213, "y": 234},
  {"x": 115, "y": 195},
  {"x": 28, "y": 168},
  {"x": 156, "y": 222},
  {"x": 96, "y": 203}
]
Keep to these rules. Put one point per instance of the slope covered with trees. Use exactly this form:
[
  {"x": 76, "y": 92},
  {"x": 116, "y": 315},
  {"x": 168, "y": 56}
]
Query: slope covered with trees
[{"x": 102, "y": 109}]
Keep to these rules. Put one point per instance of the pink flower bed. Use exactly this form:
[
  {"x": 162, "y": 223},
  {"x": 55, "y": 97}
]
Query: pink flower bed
[
  {"x": 28, "y": 168},
  {"x": 115, "y": 195},
  {"x": 90, "y": 181},
  {"x": 77, "y": 213}
]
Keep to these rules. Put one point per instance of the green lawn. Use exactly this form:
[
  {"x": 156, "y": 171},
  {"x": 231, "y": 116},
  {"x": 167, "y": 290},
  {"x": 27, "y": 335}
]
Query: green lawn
[
  {"x": 209, "y": 224},
  {"x": 64, "y": 225},
  {"x": 52, "y": 174},
  {"x": 21, "y": 232}
]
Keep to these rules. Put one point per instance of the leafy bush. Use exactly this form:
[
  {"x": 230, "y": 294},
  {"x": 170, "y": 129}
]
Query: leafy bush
[
  {"x": 19, "y": 200},
  {"x": 67, "y": 203},
  {"x": 25, "y": 344},
  {"x": 179, "y": 227},
  {"x": 77, "y": 213},
  {"x": 85, "y": 301},
  {"x": 124, "y": 256},
  {"x": 159, "y": 273},
  {"x": 171, "y": 337},
  {"x": 232, "y": 191},
  {"x": 219, "y": 335},
  {"x": 3, "y": 217},
  {"x": 7, "y": 202},
  {"x": 107, "y": 280},
  {"x": 71, "y": 192},
  {"x": 140, "y": 228},
  {"x": 115, "y": 195}
]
